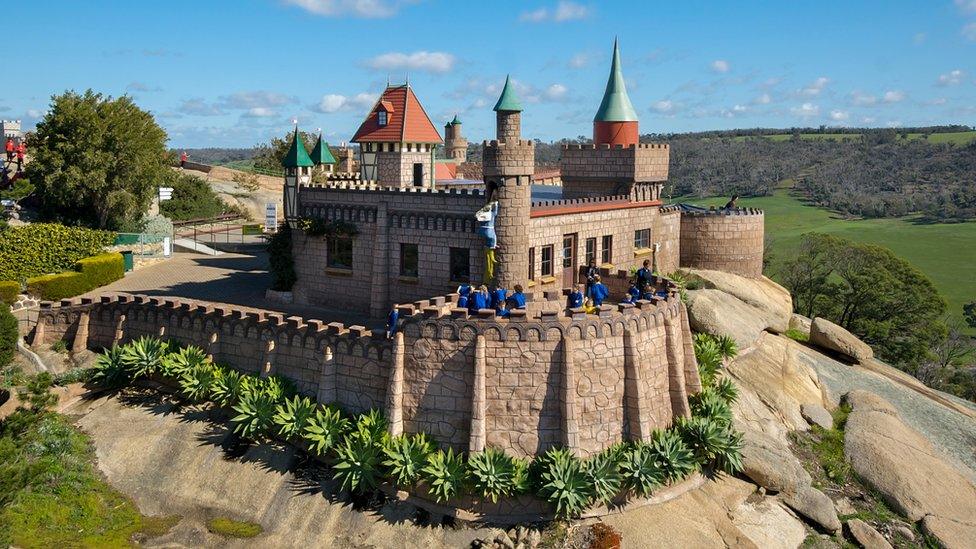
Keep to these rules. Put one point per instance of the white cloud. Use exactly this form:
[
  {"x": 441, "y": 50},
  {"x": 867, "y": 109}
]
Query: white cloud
[
  {"x": 839, "y": 116},
  {"x": 334, "y": 102},
  {"x": 252, "y": 99},
  {"x": 893, "y": 123},
  {"x": 259, "y": 112},
  {"x": 720, "y": 66},
  {"x": 664, "y": 106},
  {"x": 763, "y": 99},
  {"x": 198, "y": 107},
  {"x": 862, "y": 99},
  {"x": 556, "y": 92},
  {"x": 893, "y": 96},
  {"x": 351, "y": 8},
  {"x": 951, "y": 78},
  {"x": 35, "y": 113},
  {"x": 805, "y": 110},
  {"x": 967, "y": 6},
  {"x": 868, "y": 120},
  {"x": 564, "y": 11},
  {"x": 969, "y": 31},
  {"x": 579, "y": 60},
  {"x": 739, "y": 108},
  {"x": 425, "y": 61},
  {"x": 816, "y": 86}
]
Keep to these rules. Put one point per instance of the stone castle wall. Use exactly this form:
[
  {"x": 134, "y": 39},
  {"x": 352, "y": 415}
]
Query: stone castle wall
[
  {"x": 540, "y": 379},
  {"x": 396, "y": 168},
  {"x": 724, "y": 240},
  {"x": 595, "y": 170}
]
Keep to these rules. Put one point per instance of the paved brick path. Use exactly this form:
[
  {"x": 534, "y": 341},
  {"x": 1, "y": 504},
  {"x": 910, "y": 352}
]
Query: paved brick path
[{"x": 232, "y": 279}]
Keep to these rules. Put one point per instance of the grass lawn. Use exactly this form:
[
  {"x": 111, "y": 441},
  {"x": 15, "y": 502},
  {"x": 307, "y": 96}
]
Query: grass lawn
[{"x": 946, "y": 252}]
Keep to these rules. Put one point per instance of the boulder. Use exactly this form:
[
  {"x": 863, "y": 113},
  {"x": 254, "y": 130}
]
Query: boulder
[
  {"x": 901, "y": 464},
  {"x": 827, "y": 335},
  {"x": 950, "y": 533},
  {"x": 718, "y": 313},
  {"x": 768, "y": 524},
  {"x": 782, "y": 381},
  {"x": 800, "y": 323},
  {"x": 815, "y": 505},
  {"x": 816, "y": 414},
  {"x": 771, "y": 302},
  {"x": 866, "y": 535}
]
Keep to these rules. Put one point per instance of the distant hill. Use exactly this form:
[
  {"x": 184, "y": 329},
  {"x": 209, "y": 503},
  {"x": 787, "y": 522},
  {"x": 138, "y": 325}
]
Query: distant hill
[{"x": 218, "y": 156}]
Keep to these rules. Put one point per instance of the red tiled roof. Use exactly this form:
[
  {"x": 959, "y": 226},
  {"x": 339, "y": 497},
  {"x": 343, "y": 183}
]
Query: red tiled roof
[
  {"x": 445, "y": 170},
  {"x": 407, "y": 121}
]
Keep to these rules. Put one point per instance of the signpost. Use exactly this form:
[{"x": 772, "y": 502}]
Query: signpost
[
  {"x": 271, "y": 217},
  {"x": 165, "y": 193}
]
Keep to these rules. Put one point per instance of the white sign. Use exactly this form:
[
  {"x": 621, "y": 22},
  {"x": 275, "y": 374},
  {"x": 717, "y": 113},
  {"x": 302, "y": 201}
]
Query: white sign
[
  {"x": 165, "y": 193},
  {"x": 167, "y": 246},
  {"x": 271, "y": 217}
]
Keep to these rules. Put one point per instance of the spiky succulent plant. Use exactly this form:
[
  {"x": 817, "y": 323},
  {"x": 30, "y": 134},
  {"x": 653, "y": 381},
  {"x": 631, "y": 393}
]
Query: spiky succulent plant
[
  {"x": 672, "y": 455},
  {"x": 326, "y": 429},
  {"x": 255, "y": 415},
  {"x": 492, "y": 473},
  {"x": 564, "y": 483},
  {"x": 144, "y": 356},
  {"x": 406, "y": 456},
  {"x": 445, "y": 474},
  {"x": 293, "y": 415},
  {"x": 640, "y": 469},
  {"x": 110, "y": 369},
  {"x": 358, "y": 463}
]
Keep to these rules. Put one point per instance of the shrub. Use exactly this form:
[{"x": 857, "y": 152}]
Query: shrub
[
  {"x": 196, "y": 383},
  {"x": 641, "y": 470},
  {"x": 406, "y": 456},
  {"x": 144, "y": 356},
  {"x": 358, "y": 464},
  {"x": 672, "y": 455},
  {"x": 712, "y": 443},
  {"x": 372, "y": 426},
  {"x": 445, "y": 474},
  {"x": 229, "y": 386},
  {"x": 90, "y": 273},
  {"x": 564, "y": 483},
  {"x": 175, "y": 364},
  {"x": 491, "y": 473},
  {"x": 101, "y": 269},
  {"x": 193, "y": 198},
  {"x": 708, "y": 353},
  {"x": 603, "y": 471},
  {"x": 276, "y": 388},
  {"x": 727, "y": 390},
  {"x": 710, "y": 405},
  {"x": 9, "y": 290},
  {"x": 326, "y": 429},
  {"x": 110, "y": 368},
  {"x": 255, "y": 417},
  {"x": 43, "y": 248},
  {"x": 293, "y": 416},
  {"x": 8, "y": 335},
  {"x": 727, "y": 346}
]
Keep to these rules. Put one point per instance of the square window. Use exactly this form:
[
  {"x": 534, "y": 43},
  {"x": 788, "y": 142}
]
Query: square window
[
  {"x": 590, "y": 250},
  {"x": 642, "y": 239},
  {"x": 381, "y": 118},
  {"x": 546, "y": 262},
  {"x": 460, "y": 264},
  {"x": 339, "y": 253},
  {"x": 409, "y": 260},
  {"x": 606, "y": 253}
]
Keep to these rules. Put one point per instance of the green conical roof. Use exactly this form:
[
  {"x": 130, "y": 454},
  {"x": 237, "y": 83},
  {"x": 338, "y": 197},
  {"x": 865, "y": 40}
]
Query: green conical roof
[
  {"x": 508, "y": 100},
  {"x": 321, "y": 153},
  {"x": 455, "y": 122},
  {"x": 616, "y": 106},
  {"x": 297, "y": 155}
]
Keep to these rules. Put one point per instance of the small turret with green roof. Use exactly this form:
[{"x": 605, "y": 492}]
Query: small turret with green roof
[
  {"x": 508, "y": 102},
  {"x": 456, "y": 121},
  {"x": 321, "y": 153},
  {"x": 616, "y": 106},
  {"x": 297, "y": 155}
]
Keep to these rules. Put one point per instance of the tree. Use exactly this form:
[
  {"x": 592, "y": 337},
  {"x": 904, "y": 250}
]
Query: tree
[
  {"x": 96, "y": 160},
  {"x": 193, "y": 198},
  {"x": 969, "y": 313},
  {"x": 270, "y": 155}
]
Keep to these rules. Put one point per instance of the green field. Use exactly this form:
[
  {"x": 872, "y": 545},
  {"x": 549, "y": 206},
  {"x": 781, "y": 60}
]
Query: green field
[
  {"x": 956, "y": 138},
  {"x": 946, "y": 252}
]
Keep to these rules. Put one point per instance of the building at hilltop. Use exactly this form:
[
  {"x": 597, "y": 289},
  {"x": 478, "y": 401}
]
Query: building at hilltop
[{"x": 413, "y": 241}]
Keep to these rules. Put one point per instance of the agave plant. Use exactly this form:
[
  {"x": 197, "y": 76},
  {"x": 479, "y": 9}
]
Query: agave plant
[
  {"x": 728, "y": 453},
  {"x": 709, "y": 404},
  {"x": 603, "y": 471},
  {"x": 277, "y": 388},
  {"x": 144, "y": 356},
  {"x": 175, "y": 364},
  {"x": 727, "y": 346},
  {"x": 640, "y": 469},
  {"x": 565, "y": 484},
  {"x": 229, "y": 386},
  {"x": 726, "y": 389},
  {"x": 255, "y": 415},
  {"x": 110, "y": 370},
  {"x": 406, "y": 456},
  {"x": 704, "y": 437},
  {"x": 326, "y": 429},
  {"x": 358, "y": 464},
  {"x": 491, "y": 473},
  {"x": 709, "y": 357},
  {"x": 521, "y": 483},
  {"x": 293, "y": 416},
  {"x": 196, "y": 383},
  {"x": 372, "y": 425},
  {"x": 672, "y": 455},
  {"x": 445, "y": 474}
]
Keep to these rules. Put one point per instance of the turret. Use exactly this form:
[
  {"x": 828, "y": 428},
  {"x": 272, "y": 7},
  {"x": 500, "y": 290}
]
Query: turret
[
  {"x": 455, "y": 145},
  {"x": 298, "y": 171},
  {"x": 508, "y": 114},
  {"x": 615, "y": 122},
  {"x": 322, "y": 156},
  {"x": 509, "y": 164}
]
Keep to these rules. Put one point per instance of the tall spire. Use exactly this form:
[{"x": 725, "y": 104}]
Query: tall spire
[
  {"x": 297, "y": 155},
  {"x": 616, "y": 106},
  {"x": 508, "y": 101}
]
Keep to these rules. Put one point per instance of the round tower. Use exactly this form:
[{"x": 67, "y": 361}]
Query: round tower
[
  {"x": 509, "y": 163},
  {"x": 616, "y": 122},
  {"x": 298, "y": 171},
  {"x": 455, "y": 145}
]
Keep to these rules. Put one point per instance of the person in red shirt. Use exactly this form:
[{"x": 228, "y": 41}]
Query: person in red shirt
[
  {"x": 21, "y": 151},
  {"x": 10, "y": 149},
  {"x": 183, "y": 158}
]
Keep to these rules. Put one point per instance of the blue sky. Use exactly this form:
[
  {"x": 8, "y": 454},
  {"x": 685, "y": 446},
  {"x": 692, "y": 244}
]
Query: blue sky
[{"x": 223, "y": 73}]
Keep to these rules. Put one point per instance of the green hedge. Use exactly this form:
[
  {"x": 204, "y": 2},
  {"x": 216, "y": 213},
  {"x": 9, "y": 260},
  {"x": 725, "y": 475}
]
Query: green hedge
[
  {"x": 9, "y": 291},
  {"x": 8, "y": 335},
  {"x": 89, "y": 273},
  {"x": 43, "y": 248}
]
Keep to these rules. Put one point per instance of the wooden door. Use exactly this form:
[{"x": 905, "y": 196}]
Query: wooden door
[{"x": 570, "y": 260}]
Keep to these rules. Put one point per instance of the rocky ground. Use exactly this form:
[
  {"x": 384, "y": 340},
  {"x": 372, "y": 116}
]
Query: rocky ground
[{"x": 892, "y": 466}]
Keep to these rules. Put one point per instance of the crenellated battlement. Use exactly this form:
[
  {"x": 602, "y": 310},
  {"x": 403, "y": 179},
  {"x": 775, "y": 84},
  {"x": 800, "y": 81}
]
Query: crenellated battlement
[
  {"x": 730, "y": 240},
  {"x": 371, "y": 186},
  {"x": 713, "y": 211},
  {"x": 607, "y": 146}
]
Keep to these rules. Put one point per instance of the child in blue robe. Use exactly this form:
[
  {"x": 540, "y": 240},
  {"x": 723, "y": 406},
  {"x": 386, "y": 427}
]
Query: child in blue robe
[
  {"x": 598, "y": 292},
  {"x": 391, "y": 322},
  {"x": 464, "y": 292},
  {"x": 576, "y": 298}
]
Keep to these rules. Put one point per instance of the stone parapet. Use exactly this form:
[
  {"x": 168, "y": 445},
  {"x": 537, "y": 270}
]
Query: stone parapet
[
  {"x": 514, "y": 157},
  {"x": 641, "y": 163},
  {"x": 723, "y": 240}
]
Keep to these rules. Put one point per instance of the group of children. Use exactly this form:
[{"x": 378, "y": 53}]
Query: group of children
[
  {"x": 14, "y": 150},
  {"x": 498, "y": 299}
]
